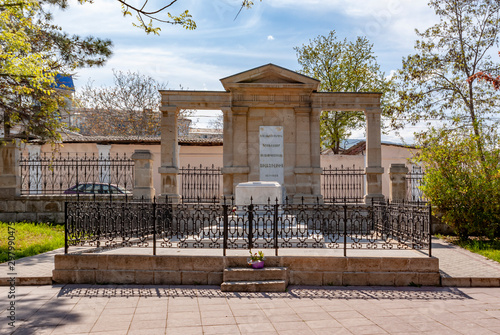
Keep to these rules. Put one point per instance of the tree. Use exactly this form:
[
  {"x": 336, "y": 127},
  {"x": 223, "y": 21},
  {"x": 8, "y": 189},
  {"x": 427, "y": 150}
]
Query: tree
[
  {"x": 341, "y": 66},
  {"x": 33, "y": 53},
  {"x": 495, "y": 81},
  {"x": 129, "y": 108},
  {"x": 460, "y": 144},
  {"x": 433, "y": 82},
  {"x": 142, "y": 15}
]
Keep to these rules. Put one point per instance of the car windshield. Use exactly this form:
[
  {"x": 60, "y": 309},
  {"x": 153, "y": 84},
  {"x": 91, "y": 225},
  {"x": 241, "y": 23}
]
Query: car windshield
[{"x": 98, "y": 189}]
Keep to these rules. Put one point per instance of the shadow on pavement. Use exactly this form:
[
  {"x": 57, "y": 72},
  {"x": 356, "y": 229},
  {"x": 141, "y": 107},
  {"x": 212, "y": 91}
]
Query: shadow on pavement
[{"x": 293, "y": 292}]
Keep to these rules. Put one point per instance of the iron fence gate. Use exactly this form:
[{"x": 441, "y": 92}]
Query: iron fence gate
[
  {"x": 200, "y": 184},
  {"x": 414, "y": 182},
  {"x": 338, "y": 184},
  {"x": 343, "y": 184}
]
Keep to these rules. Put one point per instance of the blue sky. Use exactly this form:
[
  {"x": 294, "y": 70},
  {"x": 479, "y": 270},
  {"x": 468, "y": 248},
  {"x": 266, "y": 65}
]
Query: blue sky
[{"x": 222, "y": 46}]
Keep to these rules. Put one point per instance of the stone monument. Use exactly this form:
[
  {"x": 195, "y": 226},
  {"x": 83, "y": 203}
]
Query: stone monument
[{"x": 271, "y": 131}]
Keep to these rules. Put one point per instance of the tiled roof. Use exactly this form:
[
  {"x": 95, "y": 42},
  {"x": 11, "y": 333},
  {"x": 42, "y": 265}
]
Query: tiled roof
[
  {"x": 356, "y": 149},
  {"x": 77, "y": 138}
]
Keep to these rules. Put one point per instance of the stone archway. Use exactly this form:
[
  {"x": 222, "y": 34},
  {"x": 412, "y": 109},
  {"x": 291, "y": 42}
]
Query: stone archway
[{"x": 271, "y": 101}]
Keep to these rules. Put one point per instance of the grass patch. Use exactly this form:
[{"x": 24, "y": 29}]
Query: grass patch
[
  {"x": 486, "y": 247},
  {"x": 30, "y": 238}
]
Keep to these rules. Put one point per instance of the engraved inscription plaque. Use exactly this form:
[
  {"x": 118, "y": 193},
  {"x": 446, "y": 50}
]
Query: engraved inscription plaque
[{"x": 271, "y": 154}]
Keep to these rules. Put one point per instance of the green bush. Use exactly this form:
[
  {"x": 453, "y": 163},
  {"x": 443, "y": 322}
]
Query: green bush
[{"x": 462, "y": 181}]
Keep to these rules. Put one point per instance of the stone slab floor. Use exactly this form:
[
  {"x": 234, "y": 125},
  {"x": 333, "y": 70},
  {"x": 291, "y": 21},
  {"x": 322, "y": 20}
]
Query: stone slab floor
[{"x": 87, "y": 309}]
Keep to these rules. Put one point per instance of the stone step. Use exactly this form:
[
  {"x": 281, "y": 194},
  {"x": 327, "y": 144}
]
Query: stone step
[
  {"x": 254, "y": 286},
  {"x": 249, "y": 274}
]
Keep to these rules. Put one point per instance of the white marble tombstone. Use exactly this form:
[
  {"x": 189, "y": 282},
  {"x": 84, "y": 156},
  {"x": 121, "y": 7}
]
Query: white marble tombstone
[{"x": 259, "y": 191}]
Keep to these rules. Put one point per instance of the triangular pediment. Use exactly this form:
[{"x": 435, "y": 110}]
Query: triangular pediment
[{"x": 269, "y": 74}]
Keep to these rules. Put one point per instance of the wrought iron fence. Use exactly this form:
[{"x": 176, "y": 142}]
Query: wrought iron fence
[
  {"x": 414, "y": 180},
  {"x": 227, "y": 226},
  {"x": 343, "y": 184},
  {"x": 70, "y": 173},
  {"x": 200, "y": 184},
  {"x": 204, "y": 184}
]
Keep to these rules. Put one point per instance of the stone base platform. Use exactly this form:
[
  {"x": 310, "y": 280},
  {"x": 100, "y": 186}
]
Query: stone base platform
[{"x": 208, "y": 270}]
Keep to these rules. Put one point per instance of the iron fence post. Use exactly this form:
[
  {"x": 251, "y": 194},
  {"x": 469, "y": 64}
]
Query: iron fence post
[
  {"x": 250, "y": 225},
  {"x": 345, "y": 228},
  {"x": 430, "y": 230},
  {"x": 65, "y": 227},
  {"x": 154, "y": 226},
  {"x": 275, "y": 227},
  {"x": 226, "y": 224}
]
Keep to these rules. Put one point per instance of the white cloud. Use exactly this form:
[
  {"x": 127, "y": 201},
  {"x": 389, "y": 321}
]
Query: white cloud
[{"x": 270, "y": 38}]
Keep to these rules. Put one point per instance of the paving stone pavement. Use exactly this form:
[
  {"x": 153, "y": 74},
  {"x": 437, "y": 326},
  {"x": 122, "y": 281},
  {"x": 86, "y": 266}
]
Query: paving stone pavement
[
  {"x": 88, "y": 309},
  {"x": 458, "y": 262}
]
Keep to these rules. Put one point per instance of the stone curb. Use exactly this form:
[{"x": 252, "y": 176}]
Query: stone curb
[
  {"x": 470, "y": 282},
  {"x": 27, "y": 281}
]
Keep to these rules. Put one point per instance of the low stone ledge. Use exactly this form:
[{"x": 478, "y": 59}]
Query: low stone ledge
[
  {"x": 428, "y": 264},
  {"x": 484, "y": 282},
  {"x": 194, "y": 278},
  {"x": 167, "y": 278},
  {"x": 27, "y": 281},
  {"x": 115, "y": 277},
  {"x": 470, "y": 282},
  {"x": 208, "y": 270}
]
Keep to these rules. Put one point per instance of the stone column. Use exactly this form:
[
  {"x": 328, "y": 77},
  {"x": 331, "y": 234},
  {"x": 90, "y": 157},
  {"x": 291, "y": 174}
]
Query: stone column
[
  {"x": 239, "y": 169},
  {"x": 169, "y": 168},
  {"x": 316, "y": 152},
  {"x": 10, "y": 172},
  {"x": 103, "y": 157},
  {"x": 34, "y": 152},
  {"x": 373, "y": 169},
  {"x": 303, "y": 170},
  {"x": 143, "y": 175},
  {"x": 227, "y": 149},
  {"x": 397, "y": 176}
]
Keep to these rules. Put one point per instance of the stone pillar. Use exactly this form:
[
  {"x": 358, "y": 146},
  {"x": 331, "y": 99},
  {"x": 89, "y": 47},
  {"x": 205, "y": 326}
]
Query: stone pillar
[
  {"x": 316, "y": 152},
  {"x": 35, "y": 182},
  {"x": 373, "y": 169},
  {"x": 397, "y": 176},
  {"x": 303, "y": 170},
  {"x": 227, "y": 149},
  {"x": 169, "y": 168},
  {"x": 143, "y": 175},
  {"x": 10, "y": 172},
  {"x": 238, "y": 157},
  {"x": 103, "y": 158}
]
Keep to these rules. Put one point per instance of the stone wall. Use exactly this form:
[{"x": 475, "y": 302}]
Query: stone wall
[
  {"x": 33, "y": 209},
  {"x": 40, "y": 208}
]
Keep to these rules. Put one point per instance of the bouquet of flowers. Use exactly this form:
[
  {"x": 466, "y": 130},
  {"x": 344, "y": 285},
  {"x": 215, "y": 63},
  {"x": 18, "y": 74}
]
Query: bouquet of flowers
[{"x": 256, "y": 260}]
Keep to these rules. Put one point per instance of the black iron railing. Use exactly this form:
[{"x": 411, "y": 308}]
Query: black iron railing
[
  {"x": 227, "y": 226},
  {"x": 58, "y": 173},
  {"x": 200, "y": 184},
  {"x": 343, "y": 184},
  {"x": 414, "y": 182}
]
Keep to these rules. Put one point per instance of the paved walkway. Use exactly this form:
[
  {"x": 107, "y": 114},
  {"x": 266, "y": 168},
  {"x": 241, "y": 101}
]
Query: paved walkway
[
  {"x": 87, "y": 309},
  {"x": 458, "y": 266}
]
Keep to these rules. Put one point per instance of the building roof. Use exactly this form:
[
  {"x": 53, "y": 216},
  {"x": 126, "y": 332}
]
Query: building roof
[{"x": 71, "y": 137}]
